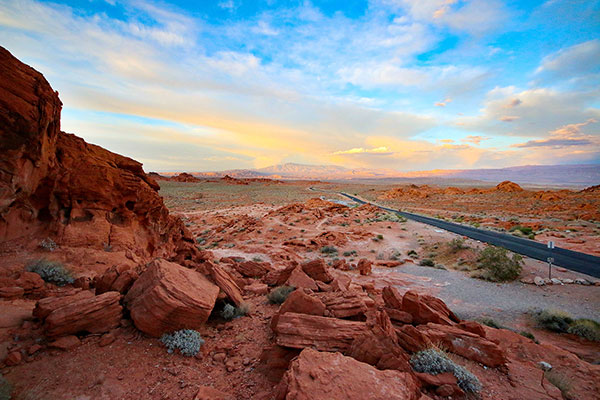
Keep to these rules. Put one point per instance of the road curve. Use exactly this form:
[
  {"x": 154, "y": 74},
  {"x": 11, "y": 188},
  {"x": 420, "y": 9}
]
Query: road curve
[{"x": 569, "y": 259}]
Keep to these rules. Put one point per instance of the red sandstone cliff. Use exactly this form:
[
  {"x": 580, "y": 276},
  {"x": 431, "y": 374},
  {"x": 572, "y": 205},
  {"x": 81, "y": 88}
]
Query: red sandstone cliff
[{"x": 55, "y": 184}]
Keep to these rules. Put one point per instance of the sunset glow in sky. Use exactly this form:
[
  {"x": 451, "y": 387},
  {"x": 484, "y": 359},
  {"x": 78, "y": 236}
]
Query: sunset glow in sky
[{"x": 398, "y": 84}]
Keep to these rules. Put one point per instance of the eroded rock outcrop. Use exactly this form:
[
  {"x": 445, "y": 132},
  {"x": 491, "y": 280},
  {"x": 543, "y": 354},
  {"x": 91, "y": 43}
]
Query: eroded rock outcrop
[
  {"x": 168, "y": 297},
  {"x": 82, "y": 312},
  {"x": 315, "y": 375},
  {"x": 55, "y": 184}
]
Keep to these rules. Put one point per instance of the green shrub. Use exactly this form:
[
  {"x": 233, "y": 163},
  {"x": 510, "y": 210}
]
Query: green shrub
[
  {"x": 525, "y": 230},
  {"x": 553, "y": 320},
  {"x": 280, "y": 294},
  {"x": 5, "y": 389},
  {"x": 412, "y": 253},
  {"x": 230, "y": 312},
  {"x": 51, "y": 271},
  {"x": 457, "y": 244},
  {"x": 427, "y": 262},
  {"x": 187, "y": 341},
  {"x": 350, "y": 253},
  {"x": 586, "y": 328},
  {"x": 498, "y": 266},
  {"x": 528, "y": 335},
  {"x": 329, "y": 250},
  {"x": 491, "y": 323},
  {"x": 434, "y": 361}
]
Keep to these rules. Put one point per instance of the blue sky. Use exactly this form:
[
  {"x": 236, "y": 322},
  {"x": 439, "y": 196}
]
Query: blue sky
[{"x": 390, "y": 84}]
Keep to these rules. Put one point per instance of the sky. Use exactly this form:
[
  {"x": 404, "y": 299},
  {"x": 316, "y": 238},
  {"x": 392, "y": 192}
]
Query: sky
[{"x": 403, "y": 85}]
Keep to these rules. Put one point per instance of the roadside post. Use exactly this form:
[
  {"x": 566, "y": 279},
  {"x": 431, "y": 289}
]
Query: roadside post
[{"x": 550, "y": 259}]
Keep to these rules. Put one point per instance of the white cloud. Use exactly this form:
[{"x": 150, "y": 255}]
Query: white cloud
[
  {"x": 572, "y": 62},
  {"x": 532, "y": 112},
  {"x": 360, "y": 150}
]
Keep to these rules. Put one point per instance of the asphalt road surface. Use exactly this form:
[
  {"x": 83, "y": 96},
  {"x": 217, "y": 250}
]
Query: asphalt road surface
[{"x": 573, "y": 260}]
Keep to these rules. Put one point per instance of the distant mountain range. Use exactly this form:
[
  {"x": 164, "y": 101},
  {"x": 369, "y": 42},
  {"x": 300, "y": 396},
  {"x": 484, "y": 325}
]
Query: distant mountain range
[{"x": 558, "y": 175}]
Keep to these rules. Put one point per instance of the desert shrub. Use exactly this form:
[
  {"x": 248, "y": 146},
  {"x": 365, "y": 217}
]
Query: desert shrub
[
  {"x": 48, "y": 244},
  {"x": 51, "y": 271},
  {"x": 187, "y": 341},
  {"x": 434, "y": 361},
  {"x": 498, "y": 266},
  {"x": 491, "y": 323},
  {"x": 457, "y": 244},
  {"x": 586, "y": 328},
  {"x": 412, "y": 253},
  {"x": 528, "y": 335},
  {"x": 230, "y": 312},
  {"x": 561, "y": 382},
  {"x": 525, "y": 230},
  {"x": 5, "y": 389},
  {"x": 329, "y": 250},
  {"x": 553, "y": 320},
  {"x": 427, "y": 262},
  {"x": 350, "y": 253},
  {"x": 280, "y": 294}
]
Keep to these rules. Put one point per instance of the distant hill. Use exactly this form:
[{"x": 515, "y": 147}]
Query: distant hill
[{"x": 580, "y": 175}]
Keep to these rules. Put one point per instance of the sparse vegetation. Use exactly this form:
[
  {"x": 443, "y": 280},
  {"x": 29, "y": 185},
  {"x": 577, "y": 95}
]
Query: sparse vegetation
[
  {"x": 187, "y": 341},
  {"x": 528, "y": 335},
  {"x": 350, "y": 253},
  {"x": 457, "y": 244},
  {"x": 378, "y": 238},
  {"x": 434, "y": 361},
  {"x": 586, "y": 328},
  {"x": 329, "y": 250},
  {"x": 51, "y": 271},
  {"x": 427, "y": 262},
  {"x": 280, "y": 294},
  {"x": 412, "y": 253},
  {"x": 498, "y": 266},
  {"x": 491, "y": 323},
  {"x": 230, "y": 312},
  {"x": 562, "y": 322},
  {"x": 48, "y": 244},
  {"x": 553, "y": 320},
  {"x": 390, "y": 217}
]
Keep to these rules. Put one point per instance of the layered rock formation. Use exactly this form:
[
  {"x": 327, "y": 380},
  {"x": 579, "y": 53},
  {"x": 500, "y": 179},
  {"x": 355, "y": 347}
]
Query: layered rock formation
[
  {"x": 55, "y": 184},
  {"x": 315, "y": 375},
  {"x": 168, "y": 297}
]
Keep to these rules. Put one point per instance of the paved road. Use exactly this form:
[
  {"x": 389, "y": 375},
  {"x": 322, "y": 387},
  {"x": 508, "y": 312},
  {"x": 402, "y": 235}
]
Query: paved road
[{"x": 573, "y": 260}]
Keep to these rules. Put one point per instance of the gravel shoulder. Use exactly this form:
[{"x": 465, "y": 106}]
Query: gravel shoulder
[{"x": 473, "y": 298}]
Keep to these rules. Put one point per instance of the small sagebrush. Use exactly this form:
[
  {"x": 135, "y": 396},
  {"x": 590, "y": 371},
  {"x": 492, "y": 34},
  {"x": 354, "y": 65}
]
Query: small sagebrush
[
  {"x": 280, "y": 294},
  {"x": 230, "y": 312},
  {"x": 329, "y": 250},
  {"x": 492, "y": 323},
  {"x": 586, "y": 328},
  {"x": 528, "y": 335},
  {"x": 48, "y": 244},
  {"x": 553, "y": 320},
  {"x": 498, "y": 266},
  {"x": 427, "y": 262},
  {"x": 457, "y": 244},
  {"x": 434, "y": 361},
  {"x": 5, "y": 389},
  {"x": 187, "y": 341},
  {"x": 51, "y": 271}
]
